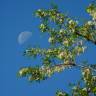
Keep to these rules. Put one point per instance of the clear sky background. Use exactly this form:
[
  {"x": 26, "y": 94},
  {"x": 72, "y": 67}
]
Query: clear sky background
[{"x": 16, "y": 17}]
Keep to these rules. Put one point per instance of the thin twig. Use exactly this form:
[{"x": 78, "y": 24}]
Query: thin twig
[{"x": 88, "y": 39}]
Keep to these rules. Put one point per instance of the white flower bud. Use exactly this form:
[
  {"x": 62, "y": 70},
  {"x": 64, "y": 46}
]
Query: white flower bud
[
  {"x": 39, "y": 10},
  {"x": 90, "y": 23},
  {"x": 51, "y": 39},
  {"x": 61, "y": 55},
  {"x": 84, "y": 89},
  {"x": 20, "y": 72},
  {"x": 83, "y": 49},
  {"x": 65, "y": 42},
  {"x": 94, "y": 15},
  {"x": 61, "y": 30},
  {"x": 71, "y": 21}
]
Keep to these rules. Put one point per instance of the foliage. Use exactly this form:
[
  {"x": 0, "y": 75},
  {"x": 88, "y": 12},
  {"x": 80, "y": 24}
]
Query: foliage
[
  {"x": 67, "y": 38},
  {"x": 88, "y": 88}
]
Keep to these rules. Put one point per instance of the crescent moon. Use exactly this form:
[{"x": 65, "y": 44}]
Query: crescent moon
[{"x": 24, "y": 36}]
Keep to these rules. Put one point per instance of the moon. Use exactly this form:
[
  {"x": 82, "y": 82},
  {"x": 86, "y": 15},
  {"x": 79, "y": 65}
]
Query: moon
[{"x": 24, "y": 36}]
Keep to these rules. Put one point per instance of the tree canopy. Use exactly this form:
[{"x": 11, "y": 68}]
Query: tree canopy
[{"x": 67, "y": 38}]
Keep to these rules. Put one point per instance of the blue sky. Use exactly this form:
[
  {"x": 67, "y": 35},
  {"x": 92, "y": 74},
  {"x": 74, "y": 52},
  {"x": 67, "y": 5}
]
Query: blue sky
[{"x": 16, "y": 17}]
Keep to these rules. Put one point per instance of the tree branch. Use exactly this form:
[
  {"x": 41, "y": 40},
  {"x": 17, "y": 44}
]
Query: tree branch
[
  {"x": 88, "y": 39},
  {"x": 70, "y": 65}
]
